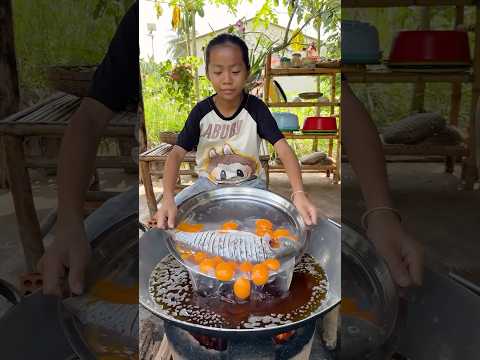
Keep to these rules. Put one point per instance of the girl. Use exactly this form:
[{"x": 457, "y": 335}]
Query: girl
[{"x": 227, "y": 129}]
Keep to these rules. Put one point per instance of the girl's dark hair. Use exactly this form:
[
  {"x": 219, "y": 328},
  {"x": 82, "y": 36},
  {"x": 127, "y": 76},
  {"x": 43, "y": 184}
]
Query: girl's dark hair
[{"x": 224, "y": 39}]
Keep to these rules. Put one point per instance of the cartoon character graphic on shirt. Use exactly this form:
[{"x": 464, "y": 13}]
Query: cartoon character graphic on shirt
[{"x": 229, "y": 166}]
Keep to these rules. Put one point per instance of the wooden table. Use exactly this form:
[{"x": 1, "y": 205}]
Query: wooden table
[
  {"x": 48, "y": 118},
  {"x": 334, "y": 168},
  {"x": 159, "y": 155}
]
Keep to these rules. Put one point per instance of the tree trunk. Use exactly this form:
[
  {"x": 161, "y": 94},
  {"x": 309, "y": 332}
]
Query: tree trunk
[
  {"x": 187, "y": 34},
  {"x": 9, "y": 92},
  {"x": 194, "y": 51}
]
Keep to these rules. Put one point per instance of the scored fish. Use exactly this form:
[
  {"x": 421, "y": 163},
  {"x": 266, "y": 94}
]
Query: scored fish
[{"x": 232, "y": 245}]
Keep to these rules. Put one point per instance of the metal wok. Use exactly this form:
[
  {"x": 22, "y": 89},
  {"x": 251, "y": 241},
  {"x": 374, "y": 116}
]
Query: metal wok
[{"x": 323, "y": 244}]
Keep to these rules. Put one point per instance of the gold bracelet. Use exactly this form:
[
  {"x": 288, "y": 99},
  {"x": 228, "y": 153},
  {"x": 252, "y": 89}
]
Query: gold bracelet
[
  {"x": 379, "y": 208},
  {"x": 296, "y": 192}
]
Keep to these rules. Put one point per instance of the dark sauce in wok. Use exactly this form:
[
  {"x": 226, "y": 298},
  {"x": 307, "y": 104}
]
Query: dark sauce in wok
[{"x": 171, "y": 288}]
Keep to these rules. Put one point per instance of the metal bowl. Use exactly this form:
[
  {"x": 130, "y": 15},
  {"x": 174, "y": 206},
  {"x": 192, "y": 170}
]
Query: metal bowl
[
  {"x": 212, "y": 208},
  {"x": 366, "y": 282},
  {"x": 324, "y": 245}
]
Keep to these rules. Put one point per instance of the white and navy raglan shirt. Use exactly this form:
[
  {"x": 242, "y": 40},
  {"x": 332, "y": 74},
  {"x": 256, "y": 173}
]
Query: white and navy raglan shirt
[{"x": 228, "y": 147}]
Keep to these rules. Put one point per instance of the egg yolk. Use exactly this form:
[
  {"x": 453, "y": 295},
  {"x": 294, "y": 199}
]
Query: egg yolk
[
  {"x": 207, "y": 265},
  {"x": 264, "y": 224},
  {"x": 217, "y": 260},
  {"x": 263, "y": 232},
  {"x": 274, "y": 243},
  {"x": 185, "y": 255},
  {"x": 246, "y": 267},
  {"x": 282, "y": 232},
  {"x": 190, "y": 227},
  {"x": 198, "y": 257},
  {"x": 233, "y": 265},
  {"x": 242, "y": 288},
  {"x": 229, "y": 225},
  {"x": 224, "y": 271},
  {"x": 272, "y": 264},
  {"x": 260, "y": 274}
]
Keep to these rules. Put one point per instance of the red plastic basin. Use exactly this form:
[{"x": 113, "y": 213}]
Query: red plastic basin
[
  {"x": 320, "y": 123},
  {"x": 431, "y": 46}
]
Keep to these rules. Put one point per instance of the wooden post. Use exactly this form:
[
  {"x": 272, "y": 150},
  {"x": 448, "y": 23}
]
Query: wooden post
[
  {"x": 418, "y": 100},
  {"x": 9, "y": 93},
  {"x": 29, "y": 227},
  {"x": 142, "y": 131},
  {"x": 147, "y": 183},
  {"x": 266, "y": 82},
  {"x": 470, "y": 167},
  {"x": 457, "y": 86},
  {"x": 456, "y": 97},
  {"x": 456, "y": 101}
]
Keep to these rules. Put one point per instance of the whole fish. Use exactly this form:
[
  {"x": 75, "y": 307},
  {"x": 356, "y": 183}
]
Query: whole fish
[{"x": 232, "y": 245}]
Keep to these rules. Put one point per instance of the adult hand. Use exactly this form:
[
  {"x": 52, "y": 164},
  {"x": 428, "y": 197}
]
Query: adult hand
[
  {"x": 69, "y": 251},
  {"x": 305, "y": 208},
  {"x": 402, "y": 253},
  {"x": 165, "y": 216}
]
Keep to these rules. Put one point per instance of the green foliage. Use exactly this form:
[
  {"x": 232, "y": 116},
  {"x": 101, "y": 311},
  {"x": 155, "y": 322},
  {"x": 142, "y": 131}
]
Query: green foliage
[
  {"x": 111, "y": 8},
  {"x": 168, "y": 94},
  {"x": 59, "y": 32}
]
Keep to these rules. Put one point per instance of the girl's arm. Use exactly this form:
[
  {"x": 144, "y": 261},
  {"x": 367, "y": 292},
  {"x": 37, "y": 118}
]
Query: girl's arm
[
  {"x": 166, "y": 214},
  {"x": 290, "y": 162}
]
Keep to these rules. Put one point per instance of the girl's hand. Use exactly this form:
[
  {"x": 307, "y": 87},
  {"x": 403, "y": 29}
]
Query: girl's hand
[
  {"x": 165, "y": 216},
  {"x": 402, "y": 253},
  {"x": 306, "y": 208}
]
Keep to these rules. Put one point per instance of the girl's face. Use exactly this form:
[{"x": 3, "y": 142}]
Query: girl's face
[{"x": 227, "y": 72}]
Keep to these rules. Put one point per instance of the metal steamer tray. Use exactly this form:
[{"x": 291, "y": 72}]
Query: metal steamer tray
[
  {"x": 245, "y": 206},
  {"x": 322, "y": 242}
]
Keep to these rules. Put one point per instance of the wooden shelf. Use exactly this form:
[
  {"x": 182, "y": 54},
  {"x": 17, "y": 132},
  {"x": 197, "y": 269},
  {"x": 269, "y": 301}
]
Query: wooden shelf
[
  {"x": 303, "y": 104},
  {"x": 365, "y": 76},
  {"x": 425, "y": 149},
  {"x": 304, "y": 168},
  {"x": 360, "y": 74},
  {"x": 305, "y": 71},
  {"x": 304, "y": 136},
  {"x": 329, "y": 70},
  {"x": 403, "y": 3}
]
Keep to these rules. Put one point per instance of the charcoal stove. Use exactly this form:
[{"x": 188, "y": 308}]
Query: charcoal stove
[{"x": 295, "y": 344}]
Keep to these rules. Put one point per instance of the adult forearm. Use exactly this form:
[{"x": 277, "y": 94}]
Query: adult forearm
[
  {"x": 77, "y": 158},
  {"x": 364, "y": 149}
]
